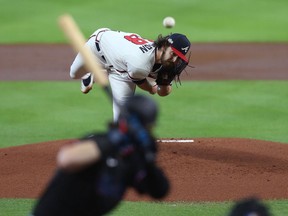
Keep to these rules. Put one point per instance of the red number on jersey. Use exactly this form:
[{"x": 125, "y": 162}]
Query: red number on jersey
[{"x": 135, "y": 39}]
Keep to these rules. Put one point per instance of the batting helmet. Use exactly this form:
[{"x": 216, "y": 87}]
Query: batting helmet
[
  {"x": 249, "y": 206},
  {"x": 143, "y": 107}
]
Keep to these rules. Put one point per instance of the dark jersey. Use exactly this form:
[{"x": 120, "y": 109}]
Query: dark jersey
[{"x": 100, "y": 187}]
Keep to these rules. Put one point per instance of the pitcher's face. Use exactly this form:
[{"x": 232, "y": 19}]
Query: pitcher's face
[{"x": 168, "y": 57}]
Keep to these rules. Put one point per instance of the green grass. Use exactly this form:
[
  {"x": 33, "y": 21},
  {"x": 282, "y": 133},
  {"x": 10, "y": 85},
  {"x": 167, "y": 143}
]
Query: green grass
[
  {"x": 32, "y": 112},
  {"x": 12, "y": 207},
  {"x": 45, "y": 111},
  {"x": 15, "y": 207},
  {"x": 35, "y": 21},
  {"x": 172, "y": 209},
  {"x": 247, "y": 109}
]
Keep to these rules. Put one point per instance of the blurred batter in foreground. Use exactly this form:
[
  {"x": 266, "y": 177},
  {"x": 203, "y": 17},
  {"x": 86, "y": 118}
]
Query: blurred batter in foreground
[{"x": 95, "y": 172}]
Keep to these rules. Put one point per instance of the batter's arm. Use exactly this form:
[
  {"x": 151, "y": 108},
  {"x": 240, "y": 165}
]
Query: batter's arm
[
  {"x": 75, "y": 156},
  {"x": 158, "y": 183}
]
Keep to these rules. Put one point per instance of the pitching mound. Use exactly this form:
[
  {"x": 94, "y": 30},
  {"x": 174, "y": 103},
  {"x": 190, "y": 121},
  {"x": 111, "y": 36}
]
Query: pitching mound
[{"x": 204, "y": 170}]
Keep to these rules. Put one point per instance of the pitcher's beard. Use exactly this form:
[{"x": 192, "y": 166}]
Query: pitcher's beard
[{"x": 166, "y": 63}]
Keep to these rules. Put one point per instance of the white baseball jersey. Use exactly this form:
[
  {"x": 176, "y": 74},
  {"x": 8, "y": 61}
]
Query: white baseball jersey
[
  {"x": 128, "y": 53},
  {"x": 126, "y": 56}
]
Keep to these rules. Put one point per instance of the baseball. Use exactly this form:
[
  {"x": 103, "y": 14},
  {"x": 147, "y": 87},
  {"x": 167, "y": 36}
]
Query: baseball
[{"x": 169, "y": 22}]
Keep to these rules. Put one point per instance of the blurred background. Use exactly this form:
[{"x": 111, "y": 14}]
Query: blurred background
[{"x": 34, "y": 21}]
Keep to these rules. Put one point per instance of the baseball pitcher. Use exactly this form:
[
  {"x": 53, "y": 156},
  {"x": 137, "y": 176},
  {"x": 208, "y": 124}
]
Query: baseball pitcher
[{"x": 131, "y": 61}]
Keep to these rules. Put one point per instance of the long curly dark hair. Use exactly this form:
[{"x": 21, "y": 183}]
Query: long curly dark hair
[{"x": 161, "y": 41}]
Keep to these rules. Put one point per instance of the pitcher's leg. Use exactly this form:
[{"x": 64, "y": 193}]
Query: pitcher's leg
[
  {"x": 77, "y": 69},
  {"x": 121, "y": 90}
]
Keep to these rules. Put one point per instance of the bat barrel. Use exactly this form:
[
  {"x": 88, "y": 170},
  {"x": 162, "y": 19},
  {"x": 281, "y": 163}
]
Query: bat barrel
[{"x": 77, "y": 41}]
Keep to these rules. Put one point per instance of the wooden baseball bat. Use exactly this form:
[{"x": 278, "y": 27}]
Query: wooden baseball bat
[{"x": 77, "y": 41}]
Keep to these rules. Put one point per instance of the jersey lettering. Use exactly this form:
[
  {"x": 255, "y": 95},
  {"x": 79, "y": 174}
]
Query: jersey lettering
[
  {"x": 146, "y": 47},
  {"x": 135, "y": 39},
  {"x": 139, "y": 41}
]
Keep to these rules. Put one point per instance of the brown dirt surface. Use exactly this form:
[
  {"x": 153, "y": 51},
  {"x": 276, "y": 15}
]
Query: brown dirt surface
[
  {"x": 208, "y": 169},
  {"x": 215, "y": 169},
  {"x": 245, "y": 61}
]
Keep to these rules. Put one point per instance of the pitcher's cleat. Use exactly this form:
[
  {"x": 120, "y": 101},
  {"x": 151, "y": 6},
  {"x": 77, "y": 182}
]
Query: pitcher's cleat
[{"x": 87, "y": 83}]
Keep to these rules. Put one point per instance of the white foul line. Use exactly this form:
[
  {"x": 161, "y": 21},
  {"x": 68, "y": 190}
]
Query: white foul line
[{"x": 175, "y": 140}]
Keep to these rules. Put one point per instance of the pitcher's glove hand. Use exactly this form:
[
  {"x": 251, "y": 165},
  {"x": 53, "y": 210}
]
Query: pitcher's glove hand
[{"x": 167, "y": 74}]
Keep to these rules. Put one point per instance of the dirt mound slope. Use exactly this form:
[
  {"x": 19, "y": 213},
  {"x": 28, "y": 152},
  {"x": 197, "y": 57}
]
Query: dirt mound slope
[{"x": 214, "y": 169}]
